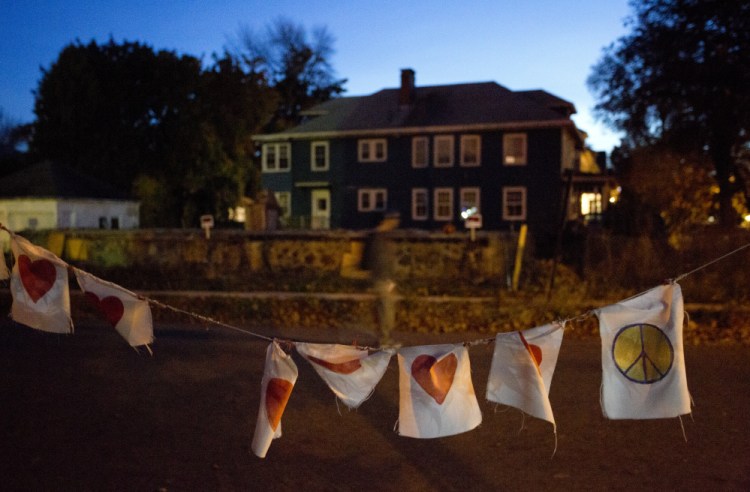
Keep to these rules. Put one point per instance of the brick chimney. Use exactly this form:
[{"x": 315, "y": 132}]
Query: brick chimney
[{"x": 406, "y": 93}]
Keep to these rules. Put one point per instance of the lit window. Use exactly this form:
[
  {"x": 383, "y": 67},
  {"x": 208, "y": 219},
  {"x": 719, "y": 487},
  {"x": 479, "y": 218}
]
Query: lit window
[
  {"x": 443, "y": 151},
  {"x": 514, "y": 149},
  {"x": 591, "y": 203},
  {"x": 372, "y": 150},
  {"x": 419, "y": 151},
  {"x": 319, "y": 156},
  {"x": 443, "y": 201},
  {"x": 419, "y": 203},
  {"x": 277, "y": 157},
  {"x": 372, "y": 199},
  {"x": 470, "y": 150},
  {"x": 514, "y": 203}
]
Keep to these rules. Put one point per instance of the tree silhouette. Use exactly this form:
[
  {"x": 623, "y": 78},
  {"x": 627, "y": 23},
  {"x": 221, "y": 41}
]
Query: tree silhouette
[
  {"x": 682, "y": 78},
  {"x": 297, "y": 65}
]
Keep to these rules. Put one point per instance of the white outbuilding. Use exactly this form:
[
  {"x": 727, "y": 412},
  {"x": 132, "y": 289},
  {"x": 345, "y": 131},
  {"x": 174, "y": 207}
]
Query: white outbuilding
[{"x": 49, "y": 195}]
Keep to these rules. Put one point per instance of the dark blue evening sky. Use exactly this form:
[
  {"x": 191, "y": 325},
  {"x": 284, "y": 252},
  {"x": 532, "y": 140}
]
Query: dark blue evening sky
[{"x": 521, "y": 44}]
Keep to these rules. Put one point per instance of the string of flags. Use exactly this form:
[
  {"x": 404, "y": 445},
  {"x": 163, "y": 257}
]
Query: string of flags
[{"x": 643, "y": 366}]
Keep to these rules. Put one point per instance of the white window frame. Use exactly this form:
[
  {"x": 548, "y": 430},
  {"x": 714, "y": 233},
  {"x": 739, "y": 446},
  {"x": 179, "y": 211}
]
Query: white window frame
[
  {"x": 284, "y": 199},
  {"x": 416, "y": 142},
  {"x": 437, "y": 204},
  {"x": 416, "y": 193},
  {"x": 326, "y": 153},
  {"x": 366, "y": 150},
  {"x": 367, "y": 199},
  {"x": 515, "y": 159},
  {"x": 276, "y": 165},
  {"x": 436, "y": 147},
  {"x": 477, "y": 191},
  {"x": 507, "y": 190},
  {"x": 465, "y": 142}
]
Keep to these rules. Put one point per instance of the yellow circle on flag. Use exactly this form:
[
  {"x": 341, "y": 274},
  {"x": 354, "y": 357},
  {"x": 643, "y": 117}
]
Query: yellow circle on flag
[{"x": 642, "y": 353}]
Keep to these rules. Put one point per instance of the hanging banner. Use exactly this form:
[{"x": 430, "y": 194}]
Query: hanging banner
[
  {"x": 279, "y": 377},
  {"x": 522, "y": 366},
  {"x": 351, "y": 373},
  {"x": 39, "y": 286},
  {"x": 128, "y": 314},
  {"x": 436, "y": 393},
  {"x": 643, "y": 365}
]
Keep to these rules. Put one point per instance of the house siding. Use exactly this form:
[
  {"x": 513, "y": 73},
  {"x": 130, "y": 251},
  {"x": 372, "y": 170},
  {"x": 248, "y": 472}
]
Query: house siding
[
  {"x": 484, "y": 110},
  {"x": 541, "y": 176}
]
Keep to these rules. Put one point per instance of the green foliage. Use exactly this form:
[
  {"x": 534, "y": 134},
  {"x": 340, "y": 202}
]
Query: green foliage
[{"x": 682, "y": 77}]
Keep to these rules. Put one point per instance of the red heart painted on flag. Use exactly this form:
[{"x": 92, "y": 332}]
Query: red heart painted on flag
[
  {"x": 37, "y": 277},
  {"x": 111, "y": 307},
  {"x": 436, "y": 378},
  {"x": 277, "y": 395},
  {"x": 536, "y": 353},
  {"x": 534, "y": 350},
  {"x": 347, "y": 367}
]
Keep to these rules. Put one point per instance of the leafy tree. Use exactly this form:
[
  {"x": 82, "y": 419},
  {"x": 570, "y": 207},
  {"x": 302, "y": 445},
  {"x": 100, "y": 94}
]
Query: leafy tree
[
  {"x": 682, "y": 78},
  {"x": 154, "y": 123},
  {"x": 110, "y": 110},
  {"x": 297, "y": 65}
]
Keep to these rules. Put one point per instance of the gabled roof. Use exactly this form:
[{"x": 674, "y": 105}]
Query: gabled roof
[
  {"x": 480, "y": 105},
  {"x": 53, "y": 180}
]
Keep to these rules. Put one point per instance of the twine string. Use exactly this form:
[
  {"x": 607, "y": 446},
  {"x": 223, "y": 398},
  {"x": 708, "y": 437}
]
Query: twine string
[{"x": 559, "y": 324}]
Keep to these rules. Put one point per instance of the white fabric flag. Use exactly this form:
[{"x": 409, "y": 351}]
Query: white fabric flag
[
  {"x": 4, "y": 272},
  {"x": 279, "y": 377},
  {"x": 643, "y": 365},
  {"x": 351, "y": 373},
  {"x": 39, "y": 285},
  {"x": 130, "y": 316},
  {"x": 522, "y": 367},
  {"x": 436, "y": 393}
]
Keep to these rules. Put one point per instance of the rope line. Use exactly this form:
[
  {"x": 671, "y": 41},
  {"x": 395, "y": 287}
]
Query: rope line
[{"x": 561, "y": 323}]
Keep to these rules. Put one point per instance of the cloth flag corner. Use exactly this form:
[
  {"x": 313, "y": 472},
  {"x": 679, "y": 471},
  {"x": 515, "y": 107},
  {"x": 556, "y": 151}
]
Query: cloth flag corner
[
  {"x": 643, "y": 364},
  {"x": 436, "y": 394},
  {"x": 351, "y": 373},
  {"x": 128, "y": 314},
  {"x": 523, "y": 364},
  {"x": 279, "y": 376}
]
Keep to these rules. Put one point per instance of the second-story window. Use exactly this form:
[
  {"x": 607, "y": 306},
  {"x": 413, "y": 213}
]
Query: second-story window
[
  {"x": 419, "y": 152},
  {"x": 277, "y": 157},
  {"x": 372, "y": 150},
  {"x": 470, "y": 150},
  {"x": 319, "y": 156},
  {"x": 514, "y": 149},
  {"x": 443, "y": 151}
]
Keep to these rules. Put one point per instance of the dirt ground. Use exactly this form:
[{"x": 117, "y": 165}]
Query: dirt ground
[{"x": 85, "y": 412}]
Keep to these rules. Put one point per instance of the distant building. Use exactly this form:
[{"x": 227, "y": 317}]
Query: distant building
[
  {"x": 432, "y": 153},
  {"x": 53, "y": 196}
]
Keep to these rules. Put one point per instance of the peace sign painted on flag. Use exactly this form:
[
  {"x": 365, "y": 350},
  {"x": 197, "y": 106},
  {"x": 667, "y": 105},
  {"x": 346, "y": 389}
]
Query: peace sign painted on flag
[{"x": 642, "y": 353}]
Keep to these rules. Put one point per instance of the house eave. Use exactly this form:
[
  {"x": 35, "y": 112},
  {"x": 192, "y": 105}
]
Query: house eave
[{"x": 513, "y": 125}]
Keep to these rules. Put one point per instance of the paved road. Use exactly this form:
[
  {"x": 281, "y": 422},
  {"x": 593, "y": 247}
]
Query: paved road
[{"x": 85, "y": 412}]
